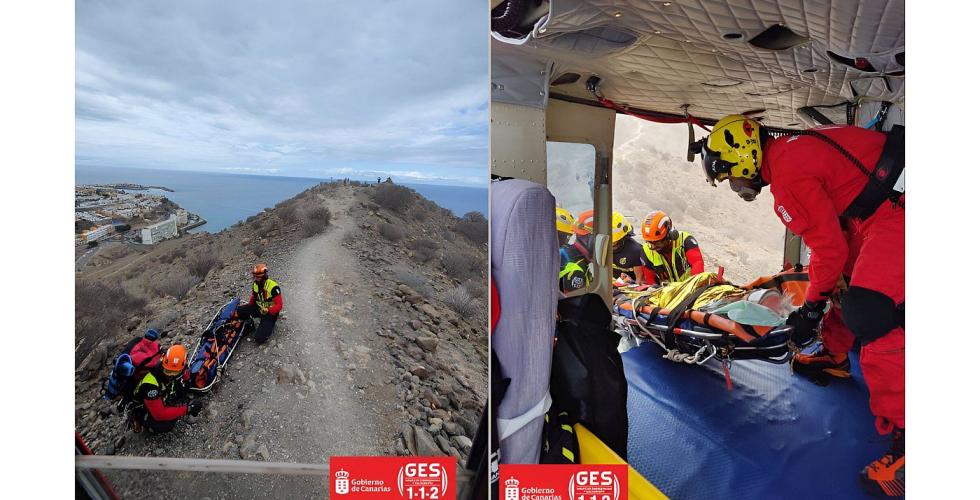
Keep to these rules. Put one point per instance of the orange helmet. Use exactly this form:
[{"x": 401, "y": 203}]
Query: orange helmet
[
  {"x": 175, "y": 359},
  {"x": 583, "y": 225},
  {"x": 260, "y": 270},
  {"x": 657, "y": 226}
]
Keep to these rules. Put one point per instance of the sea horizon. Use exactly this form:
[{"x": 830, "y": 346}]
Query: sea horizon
[{"x": 224, "y": 198}]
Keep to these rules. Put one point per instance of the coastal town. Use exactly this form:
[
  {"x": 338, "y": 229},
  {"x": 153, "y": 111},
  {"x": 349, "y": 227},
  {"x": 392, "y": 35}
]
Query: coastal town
[{"x": 128, "y": 212}]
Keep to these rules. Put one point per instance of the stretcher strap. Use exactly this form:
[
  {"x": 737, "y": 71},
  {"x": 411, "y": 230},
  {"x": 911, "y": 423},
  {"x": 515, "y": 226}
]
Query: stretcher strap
[
  {"x": 728, "y": 375},
  {"x": 678, "y": 312},
  {"x": 779, "y": 279}
]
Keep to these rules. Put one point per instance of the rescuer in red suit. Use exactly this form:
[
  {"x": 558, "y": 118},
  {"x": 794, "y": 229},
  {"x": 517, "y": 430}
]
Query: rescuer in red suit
[{"x": 819, "y": 177}]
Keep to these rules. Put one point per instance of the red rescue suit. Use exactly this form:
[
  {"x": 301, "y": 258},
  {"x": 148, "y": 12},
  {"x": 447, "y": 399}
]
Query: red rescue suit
[{"x": 812, "y": 184}]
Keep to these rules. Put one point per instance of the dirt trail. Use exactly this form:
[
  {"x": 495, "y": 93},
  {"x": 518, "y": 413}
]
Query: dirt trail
[{"x": 329, "y": 414}]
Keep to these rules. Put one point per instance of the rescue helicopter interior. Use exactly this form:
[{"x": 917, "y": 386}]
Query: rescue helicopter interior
[{"x": 562, "y": 70}]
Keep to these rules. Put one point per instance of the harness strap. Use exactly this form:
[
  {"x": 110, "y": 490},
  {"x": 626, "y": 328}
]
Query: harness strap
[
  {"x": 895, "y": 140},
  {"x": 678, "y": 312},
  {"x": 779, "y": 279}
]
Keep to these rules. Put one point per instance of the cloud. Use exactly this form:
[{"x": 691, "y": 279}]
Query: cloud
[{"x": 295, "y": 88}]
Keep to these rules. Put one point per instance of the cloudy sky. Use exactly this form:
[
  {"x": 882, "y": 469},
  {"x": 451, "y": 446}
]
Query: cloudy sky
[{"x": 297, "y": 88}]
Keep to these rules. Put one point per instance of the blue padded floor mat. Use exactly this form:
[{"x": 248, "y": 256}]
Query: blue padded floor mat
[{"x": 775, "y": 435}]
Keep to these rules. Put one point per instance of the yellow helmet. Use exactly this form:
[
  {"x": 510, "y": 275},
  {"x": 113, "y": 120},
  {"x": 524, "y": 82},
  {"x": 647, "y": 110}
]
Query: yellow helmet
[
  {"x": 733, "y": 149},
  {"x": 620, "y": 227},
  {"x": 564, "y": 221}
]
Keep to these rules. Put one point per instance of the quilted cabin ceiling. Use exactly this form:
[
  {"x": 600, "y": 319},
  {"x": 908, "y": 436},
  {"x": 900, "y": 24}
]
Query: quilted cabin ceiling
[{"x": 717, "y": 57}]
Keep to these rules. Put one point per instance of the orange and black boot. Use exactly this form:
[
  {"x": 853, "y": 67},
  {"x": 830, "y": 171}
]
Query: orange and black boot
[
  {"x": 822, "y": 366},
  {"x": 886, "y": 476}
]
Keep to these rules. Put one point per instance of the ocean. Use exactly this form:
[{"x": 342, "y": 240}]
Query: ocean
[{"x": 224, "y": 199}]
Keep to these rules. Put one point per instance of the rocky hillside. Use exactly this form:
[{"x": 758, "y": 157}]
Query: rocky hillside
[{"x": 381, "y": 347}]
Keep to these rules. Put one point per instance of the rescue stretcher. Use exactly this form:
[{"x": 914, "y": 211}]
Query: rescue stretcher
[
  {"x": 215, "y": 347},
  {"x": 695, "y": 335}
]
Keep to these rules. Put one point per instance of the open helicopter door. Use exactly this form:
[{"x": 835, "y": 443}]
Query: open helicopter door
[
  {"x": 572, "y": 125},
  {"x": 562, "y": 145}
]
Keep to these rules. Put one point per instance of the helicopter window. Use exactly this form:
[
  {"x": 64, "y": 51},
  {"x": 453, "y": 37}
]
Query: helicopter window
[{"x": 571, "y": 179}]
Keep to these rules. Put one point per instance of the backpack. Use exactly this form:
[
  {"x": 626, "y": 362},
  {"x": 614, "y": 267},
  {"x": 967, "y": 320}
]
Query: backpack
[
  {"x": 121, "y": 379},
  {"x": 588, "y": 383}
]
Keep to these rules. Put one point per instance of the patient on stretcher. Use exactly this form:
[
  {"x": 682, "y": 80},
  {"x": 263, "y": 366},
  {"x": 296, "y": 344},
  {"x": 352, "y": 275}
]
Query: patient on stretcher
[{"x": 748, "y": 321}]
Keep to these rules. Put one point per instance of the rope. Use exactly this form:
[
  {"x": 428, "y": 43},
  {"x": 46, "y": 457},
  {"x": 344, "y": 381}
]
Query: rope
[{"x": 661, "y": 119}]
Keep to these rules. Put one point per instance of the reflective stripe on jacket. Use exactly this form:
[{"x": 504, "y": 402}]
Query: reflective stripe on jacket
[
  {"x": 677, "y": 268},
  {"x": 266, "y": 299}
]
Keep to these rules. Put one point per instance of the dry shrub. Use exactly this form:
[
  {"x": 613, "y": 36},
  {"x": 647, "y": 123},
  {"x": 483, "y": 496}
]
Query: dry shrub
[
  {"x": 100, "y": 312},
  {"x": 175, "y": 286},
  {"x": 418, "y": 212},
  {"x": 473, "y": 226},
  {"x": 131, "y": 273},
  {"x": 476, "y": 287},
  {"x": 171, "y": 256},
  {"x": 316, "y": 221},
  {"x": 423, "y": 250},
  {"x": 459, "y": 300},
  {"x": 392, "y": 196},
  {"x": 202, "y": 263},
  {"x": 458, "y": 265},
  {"x": 415, "y": 282},
  {"x": 321, "y": 213},
  {"x": 313, "y": 227},
  {"x": 391, "y": 232},
  {"x": 117, "y": 252},
  {"x": 288, "y": 213},
  {"x": 266, "y": 230}
]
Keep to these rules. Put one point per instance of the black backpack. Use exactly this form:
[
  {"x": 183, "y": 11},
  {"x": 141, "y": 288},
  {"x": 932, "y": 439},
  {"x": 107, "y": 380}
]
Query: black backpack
[{"x": 588, "y": 384}]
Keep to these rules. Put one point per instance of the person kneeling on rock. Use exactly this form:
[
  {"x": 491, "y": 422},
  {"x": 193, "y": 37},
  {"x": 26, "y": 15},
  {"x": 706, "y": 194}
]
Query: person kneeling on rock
[
  {"x": 265, "y": 303},
  {"x": 160, "y": 387}
]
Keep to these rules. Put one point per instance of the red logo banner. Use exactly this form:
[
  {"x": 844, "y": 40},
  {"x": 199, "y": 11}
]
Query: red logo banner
[
  {"x": 410, "y": 478},
  {"x": 563, "y": 482}
]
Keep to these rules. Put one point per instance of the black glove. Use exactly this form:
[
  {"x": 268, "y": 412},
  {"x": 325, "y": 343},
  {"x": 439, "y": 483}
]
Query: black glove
[
  {"x": 194, "y": 408},
  {"x": 805, "y": 322}
]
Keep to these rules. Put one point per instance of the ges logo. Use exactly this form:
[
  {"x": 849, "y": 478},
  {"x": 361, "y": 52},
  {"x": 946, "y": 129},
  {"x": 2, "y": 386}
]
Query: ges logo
[
  {"x": 422, "y": 481},
  {"x": 594, "y": 482}
]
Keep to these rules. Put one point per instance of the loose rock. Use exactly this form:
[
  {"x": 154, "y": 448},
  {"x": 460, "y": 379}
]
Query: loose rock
[{"x": 424, "y": 444}]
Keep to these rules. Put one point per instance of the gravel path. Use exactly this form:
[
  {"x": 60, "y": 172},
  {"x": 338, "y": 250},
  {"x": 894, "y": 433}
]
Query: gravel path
[{"x": 298, "y": 398}]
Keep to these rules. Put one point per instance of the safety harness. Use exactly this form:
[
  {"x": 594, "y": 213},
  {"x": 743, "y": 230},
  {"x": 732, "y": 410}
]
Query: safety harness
[{"x": 885, "y": 182}]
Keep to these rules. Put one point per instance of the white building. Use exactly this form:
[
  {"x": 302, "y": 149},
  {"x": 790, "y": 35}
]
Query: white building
[
  {"x": 160, "y": 231},
  {"x": 181, "y": 217},
  {"x": 89, "y": 216},
  {"x": 96, "y": 234}
]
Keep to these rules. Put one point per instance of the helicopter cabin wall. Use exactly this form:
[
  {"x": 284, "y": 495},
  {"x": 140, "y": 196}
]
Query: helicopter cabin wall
[
  {"x": 518, "y": 145},
  {"x": 582, "y": 124}
]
